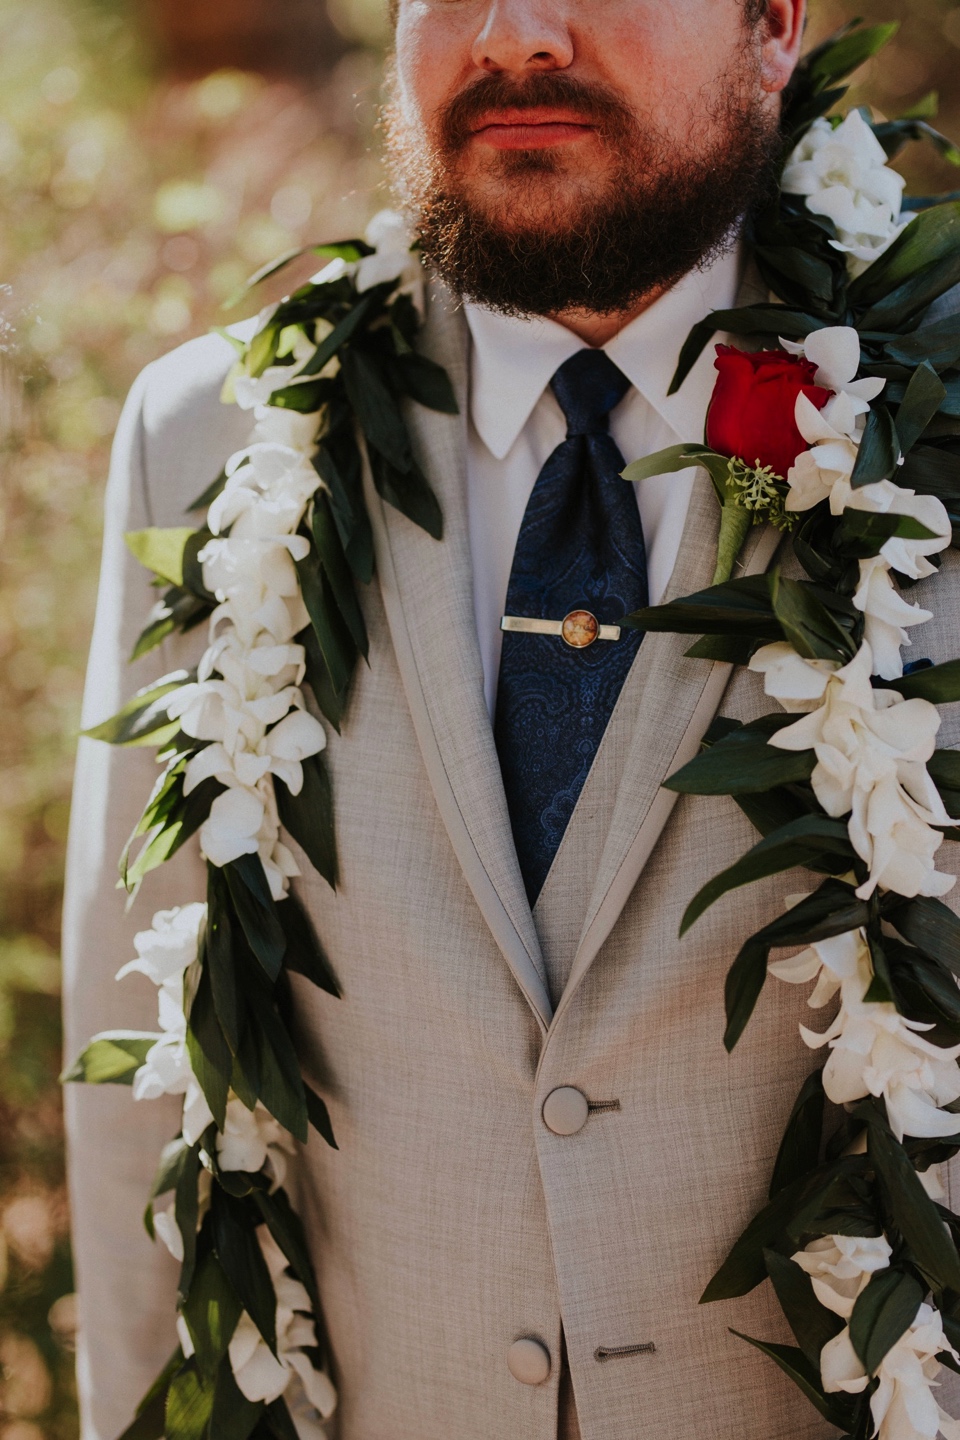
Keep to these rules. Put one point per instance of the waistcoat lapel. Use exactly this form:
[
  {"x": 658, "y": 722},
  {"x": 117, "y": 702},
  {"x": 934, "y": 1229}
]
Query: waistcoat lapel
[{"x": 428, "y": 595}]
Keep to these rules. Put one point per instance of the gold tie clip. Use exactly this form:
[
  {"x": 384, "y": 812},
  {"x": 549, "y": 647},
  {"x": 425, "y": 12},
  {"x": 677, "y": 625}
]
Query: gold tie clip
[{"x": 579, "y": 629}]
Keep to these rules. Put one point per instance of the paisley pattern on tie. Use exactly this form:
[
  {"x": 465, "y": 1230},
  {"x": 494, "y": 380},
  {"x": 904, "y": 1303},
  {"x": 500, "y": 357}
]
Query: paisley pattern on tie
[{"x": 580, "y": 547}]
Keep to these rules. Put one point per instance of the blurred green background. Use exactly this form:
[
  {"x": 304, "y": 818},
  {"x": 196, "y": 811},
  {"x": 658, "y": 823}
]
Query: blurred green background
[{"x": 152, "y": 154}]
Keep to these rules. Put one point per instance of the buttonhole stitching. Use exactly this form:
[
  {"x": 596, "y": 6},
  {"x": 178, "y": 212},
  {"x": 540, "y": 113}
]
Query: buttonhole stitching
[
  {"x": 598, "y": 1107},
  {"x": 621, "y": 1352}
]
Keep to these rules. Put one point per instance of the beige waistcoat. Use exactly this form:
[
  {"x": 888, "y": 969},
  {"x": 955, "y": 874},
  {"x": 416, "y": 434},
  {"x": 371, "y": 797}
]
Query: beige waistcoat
[{"x": 451, "y": 1221}]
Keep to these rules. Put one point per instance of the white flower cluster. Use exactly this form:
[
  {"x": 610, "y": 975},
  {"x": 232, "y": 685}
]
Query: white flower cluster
[
  {"x": 874, "y": 1050},
  {"x": 872, "y": 746},
  {"x": 251, "y": 1140},
  {"x": 824, "y": 473},
  {"x": 262, "y": 1375},
  {"x": 247, "y": 706},
  {"x": 164, "y": 954},
  {"x": 393, "y": 259},
  {"x": 247, "y": 702},
  {"x": 842, "y": 171},
  {"x": 903, "y": 1405}
]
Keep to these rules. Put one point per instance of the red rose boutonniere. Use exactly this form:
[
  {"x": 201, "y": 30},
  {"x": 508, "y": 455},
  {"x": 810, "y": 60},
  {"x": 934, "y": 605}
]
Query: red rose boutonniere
[
  {"x": 752, "y": 416},
  {"x": 752, "y": 442}
]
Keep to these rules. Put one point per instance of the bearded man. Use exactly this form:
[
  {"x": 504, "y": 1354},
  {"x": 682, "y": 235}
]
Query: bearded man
[{"x": 544, "y": 1151}]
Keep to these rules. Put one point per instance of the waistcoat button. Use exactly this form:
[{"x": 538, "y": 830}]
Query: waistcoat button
[
  {"x": 528, "y": 1361},
  {"x": 565, "y": 1111}
]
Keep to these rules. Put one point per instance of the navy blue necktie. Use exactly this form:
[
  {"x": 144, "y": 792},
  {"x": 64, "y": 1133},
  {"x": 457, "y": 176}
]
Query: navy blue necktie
[{"x": 580, "y": 548}]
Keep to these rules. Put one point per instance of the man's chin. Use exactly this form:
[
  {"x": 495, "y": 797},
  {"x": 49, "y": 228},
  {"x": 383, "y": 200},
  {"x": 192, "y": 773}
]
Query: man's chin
[{"x": 537, "y": 203}]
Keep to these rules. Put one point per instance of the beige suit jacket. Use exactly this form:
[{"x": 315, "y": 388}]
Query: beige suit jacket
[{"x": 451, "y": 1221}]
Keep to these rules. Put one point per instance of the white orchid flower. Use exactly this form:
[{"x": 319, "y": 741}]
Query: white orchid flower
[
  {"x": 169, "y": 946},
  {"x": 798, "y": 684},
  {"x": 254, "y": 392},
  {"x": 390, "y": 236},
  {"x": 267, "y": 490},
  {"x": 830, "y": 962},
  {"x": 167, "y": 1230},
  {"x": 261, "y": 1375},
  {"x": 393, "y": 258},
  {"x": 871, "y": 747},
  {"x": 873, "y": 1049},
  {"x": 825, "y": 471},
  {"x": 843, "y": 174},
  {"x": 257, "y": 585},
  {"x": 167, "y": 1070},
  {"x": 833, "y": 433},
  {"x": 251, "y": 1140},
  {"x": 233, "y": 826},
  {"x": 829, "y": 460},
  {"x": 835, "y": 350},
  {"x": 294, "y": 740},
  {"x": 282, "y": 664},
  {"x": 279, "y": 753},
  {"x": 280, "y": 617},
  {"x": 841, "y": 1367},
  {"x": 841, "y": 1266},
  {"x": 885, "y": 611},
  {"x": 903, "y": 1405},
  {"x": 253, "y": 669},
  {"x": 279, "y": 866},
  {"x": 886, "y": 614},
  {"x": 243, "y": 769},
  {"x": 256, "y": 566},
  {"x": 907, "y": 556},
  {"x": 279, "y": 426},
  {"x": 165, "y": 1224},
  {"x": 218, "y": 710},
  {"x": 389, "y": 233}
]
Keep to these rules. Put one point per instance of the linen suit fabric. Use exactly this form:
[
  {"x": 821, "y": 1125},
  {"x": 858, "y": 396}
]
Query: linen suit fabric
[{"x": 450, "y": 1221}]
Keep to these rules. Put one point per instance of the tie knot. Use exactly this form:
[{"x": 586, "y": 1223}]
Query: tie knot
[{"x": 588, "y": 386}]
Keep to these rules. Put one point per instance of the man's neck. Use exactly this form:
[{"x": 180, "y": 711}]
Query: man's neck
[{"x": 598, "y": 330}]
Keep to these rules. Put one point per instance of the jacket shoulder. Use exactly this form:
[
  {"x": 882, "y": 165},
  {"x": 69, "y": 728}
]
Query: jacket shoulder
[{"x": 186, "y": 433}]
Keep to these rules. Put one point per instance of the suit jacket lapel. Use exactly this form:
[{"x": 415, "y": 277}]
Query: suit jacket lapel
[
  {"x": 667, "y": 705},
  {"x": 428, "y": 595}
]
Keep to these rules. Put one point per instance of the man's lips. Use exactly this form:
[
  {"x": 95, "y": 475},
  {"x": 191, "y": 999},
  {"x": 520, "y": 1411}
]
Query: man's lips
[{"x": 531, "y": 129}]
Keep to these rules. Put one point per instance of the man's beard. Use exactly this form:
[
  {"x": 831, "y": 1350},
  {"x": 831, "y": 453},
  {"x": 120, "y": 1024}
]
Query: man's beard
[{"x": 660, "y": 215}]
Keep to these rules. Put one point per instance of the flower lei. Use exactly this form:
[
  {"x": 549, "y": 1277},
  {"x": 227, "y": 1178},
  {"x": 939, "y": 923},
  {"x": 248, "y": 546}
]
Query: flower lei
[
  {"x": 848, "y": 437},
  {"x": 273, "y": 572}
]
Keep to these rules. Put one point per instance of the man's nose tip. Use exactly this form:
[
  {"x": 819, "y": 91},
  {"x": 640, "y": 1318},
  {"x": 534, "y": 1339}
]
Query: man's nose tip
[
  {"x": 520, "y": 39},
  {"x": 542, "y": 60}
]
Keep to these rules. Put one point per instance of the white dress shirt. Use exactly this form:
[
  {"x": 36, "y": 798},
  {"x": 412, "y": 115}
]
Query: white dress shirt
[{"x": 516, "y": 424}]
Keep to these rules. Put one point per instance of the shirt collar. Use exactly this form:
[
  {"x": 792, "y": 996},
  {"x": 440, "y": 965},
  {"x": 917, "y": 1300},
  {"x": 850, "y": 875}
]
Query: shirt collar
[{"x": 514, "y": 358}]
